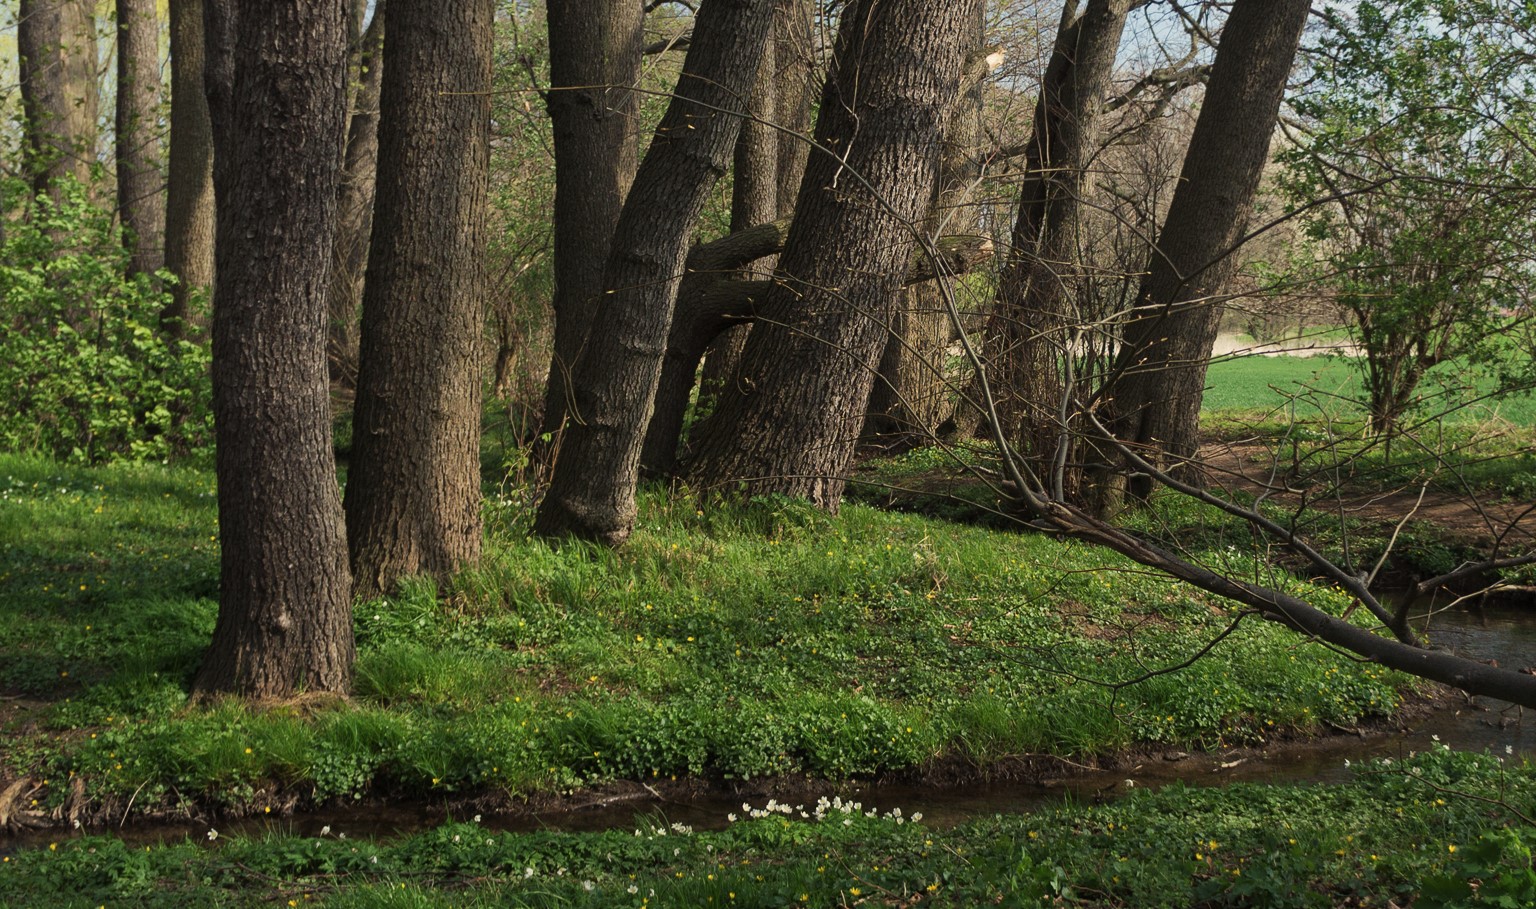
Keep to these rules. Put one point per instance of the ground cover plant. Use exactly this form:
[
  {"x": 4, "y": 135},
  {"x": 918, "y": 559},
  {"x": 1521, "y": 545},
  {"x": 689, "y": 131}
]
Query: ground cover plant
[
  {"x": 726, "y": 643},
  {"x": 1437, "y": 829}
]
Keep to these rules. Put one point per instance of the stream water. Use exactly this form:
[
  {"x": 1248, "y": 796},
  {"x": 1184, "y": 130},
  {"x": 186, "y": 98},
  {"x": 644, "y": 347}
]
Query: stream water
[{"x": 1506, "y": 634}]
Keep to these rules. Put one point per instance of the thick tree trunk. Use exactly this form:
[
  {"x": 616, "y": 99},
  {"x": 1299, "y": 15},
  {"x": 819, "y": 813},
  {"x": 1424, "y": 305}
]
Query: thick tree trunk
[
  {"x": 354, "y": 208},
  {"x": 790, "y": 425},
  {"x": 911, "y": 394},
  {"x": 593, "y": 491},
  {"x": 56, "y": 49},
  {"x": 594, "y": 61},
  {"x": 140, "y": 205},
  {"x": 277, "y": 95},
  {"x": 189, "y": 210},
  {"x": 413, "y": 495},
  {"x": 1155, "y": 396}
]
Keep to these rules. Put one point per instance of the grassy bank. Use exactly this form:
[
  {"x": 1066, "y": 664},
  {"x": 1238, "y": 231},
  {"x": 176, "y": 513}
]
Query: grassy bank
[
  {"x": 721, "y": 642},
  {"x": 1440, "y": 829}
]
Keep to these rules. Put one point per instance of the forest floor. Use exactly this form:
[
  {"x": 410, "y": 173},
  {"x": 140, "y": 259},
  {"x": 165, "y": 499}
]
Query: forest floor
[{"x": 768, "y": 650}]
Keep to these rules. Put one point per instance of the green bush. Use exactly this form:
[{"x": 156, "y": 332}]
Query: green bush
[{"x": 89, "y": 374}]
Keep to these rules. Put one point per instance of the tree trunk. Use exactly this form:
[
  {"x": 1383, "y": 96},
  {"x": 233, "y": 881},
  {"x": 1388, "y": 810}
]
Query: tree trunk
[
  {"x": 56, "y": 49},
  {"x": 354, "y": 208},
  {"x": 911, "y": 394},
  {"x": 189, "y": 209},
  {"x": 594, "y": 61},
  {"x": 140, "y": 205},
  {"x": 709, "y": 304},
  {"x": 1160, "y": 371},
  {"x": 593, "y": 491},
  {"x": 754, "y": 200},
  {"x": 794, "y": 56},
  {"x": 1044, "y": 272},
  {"x": 413, "y": 496},
  {"x": 790, "y": 425},
  {"x": 699, "y": 337},
  {"x": 277, "y": 94}
]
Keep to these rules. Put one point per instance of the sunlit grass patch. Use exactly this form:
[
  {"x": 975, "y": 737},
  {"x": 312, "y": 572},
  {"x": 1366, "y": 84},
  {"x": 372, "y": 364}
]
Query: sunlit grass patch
[{"x": 725, "y": 641}]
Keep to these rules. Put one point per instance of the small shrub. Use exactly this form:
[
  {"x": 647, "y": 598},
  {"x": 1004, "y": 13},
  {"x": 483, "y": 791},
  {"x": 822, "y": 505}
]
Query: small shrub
[{"x": 89, "y": 374}]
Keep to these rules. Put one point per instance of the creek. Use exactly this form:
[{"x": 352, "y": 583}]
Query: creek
[{"x": 1503, "y": 633}]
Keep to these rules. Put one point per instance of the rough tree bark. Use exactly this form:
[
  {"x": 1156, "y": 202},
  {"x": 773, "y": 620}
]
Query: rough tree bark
[
  {"x": 795, "y": 89},
  {"x": 709, "y": 303},
  {"x": 696, "y": 332},
  {"x": 593, "y": 490},
  {"x": 1033, "y": 317},
  {"x": 1160, "y": 370},
  {"x": 911, "y": 395},
  {"x": 413, "y": 495},
  {"x": 56, "y": 50},
  {"x": 189, "y": 208},
  {"x": 594, "y": 60},
  {"x": 276, "y": 84},
  {"x": 771, "y": 156},
  {"x": 140, "y": 205},
  {"x": 754, "y": 200},
  {"x": 790, "y": 425},
  {"x": 354, "y": 207}
]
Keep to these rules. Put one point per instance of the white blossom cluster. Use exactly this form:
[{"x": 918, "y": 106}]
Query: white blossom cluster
[{"x": 823, "y": 807}]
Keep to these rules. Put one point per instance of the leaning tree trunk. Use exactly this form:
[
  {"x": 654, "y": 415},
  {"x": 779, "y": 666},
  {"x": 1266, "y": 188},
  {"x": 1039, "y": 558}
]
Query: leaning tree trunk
[
  {"x": 770, "y": 158},
  {"x": 189, "y": 216},
  {"x": 413, "y": 496},
  {"x": 277, "y": 95},
  {"x": 911, "y": 394},
  {"x": 790, "y": 425},
  {"x": 354, "y": 208},
  {"x": 1044, "y": 270},
  {"x": 1160, "y": 371},
  {"x": 592, "y": 493},
  {"x": 140, "y": 205},
  {"x": 692, "y": 335},
  {"x": 754, "y": 200},
  {"x": 595, "y": 49},
  {"x": 56, "y": 49}
]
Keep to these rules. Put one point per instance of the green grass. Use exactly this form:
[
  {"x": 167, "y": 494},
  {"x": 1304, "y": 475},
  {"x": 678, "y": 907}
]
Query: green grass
[
  {"x": 1322, "y": 388},
  {"x": 1307, "y": 410},
  {"x": 727, "y": 642},
  {"x": 1438, "y": 829}
]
